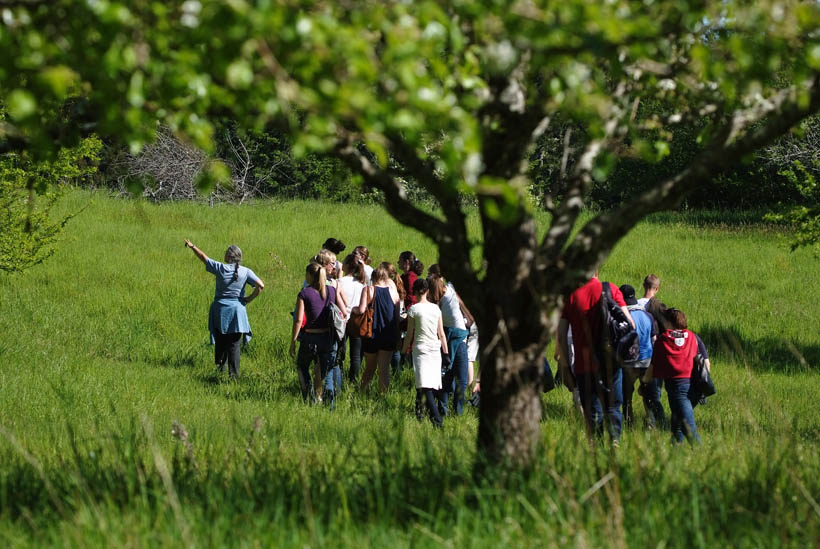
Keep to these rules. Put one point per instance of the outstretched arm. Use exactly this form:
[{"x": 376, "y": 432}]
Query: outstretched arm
[{"x": 197, "y": 252}]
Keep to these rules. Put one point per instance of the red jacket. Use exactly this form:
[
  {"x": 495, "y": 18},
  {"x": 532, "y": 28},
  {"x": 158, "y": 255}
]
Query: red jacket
[{"x": 673, "y": 354}]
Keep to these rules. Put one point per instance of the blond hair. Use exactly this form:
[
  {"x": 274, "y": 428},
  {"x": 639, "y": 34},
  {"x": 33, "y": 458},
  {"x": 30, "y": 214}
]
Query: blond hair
[{"x": 316, "y": 278}]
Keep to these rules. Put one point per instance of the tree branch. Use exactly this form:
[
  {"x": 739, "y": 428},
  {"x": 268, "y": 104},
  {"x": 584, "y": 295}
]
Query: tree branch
[
  {"x": 747, "y": 131},
  {"x": 396, "y": 201}
]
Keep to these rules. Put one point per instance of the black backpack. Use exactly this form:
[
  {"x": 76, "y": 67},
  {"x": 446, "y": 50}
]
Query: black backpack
[{"x": 619, "y": 340}]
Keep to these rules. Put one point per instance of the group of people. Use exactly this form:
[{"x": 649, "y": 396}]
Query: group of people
[
  {"x": 384, "y": 319},
  {"x": 667, "y": 354},
  {"x": 407, "y": 318}
]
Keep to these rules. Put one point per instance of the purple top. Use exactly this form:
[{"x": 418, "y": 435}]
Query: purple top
[{"x": 316, "y": 308}]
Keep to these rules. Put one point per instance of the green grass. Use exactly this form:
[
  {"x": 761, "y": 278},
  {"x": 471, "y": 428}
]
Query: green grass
[{"x": 104, "y": 347}]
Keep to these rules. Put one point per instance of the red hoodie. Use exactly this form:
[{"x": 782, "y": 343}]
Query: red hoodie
[{"x": 673, "y": 354}]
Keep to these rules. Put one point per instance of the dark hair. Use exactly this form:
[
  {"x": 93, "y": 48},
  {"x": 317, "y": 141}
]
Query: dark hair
[
  {"x": 434, "y": 269},
  {"x": 354, "y": 268},
  {"x": 437, "y": 288},
  {"x": 335, "y": 246},
  {"x": 676, "y": 318},
  {"x": 417, "y": 267},
  {"x": 407, "y": 256},
  {"x": 420, "y": 286}
]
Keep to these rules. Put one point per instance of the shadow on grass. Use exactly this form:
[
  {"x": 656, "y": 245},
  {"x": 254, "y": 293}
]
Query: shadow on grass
[
  {"x": 767, "y": 354},
  {"x": 177, "y": 359},
  {"x": 713, "y": 218}
]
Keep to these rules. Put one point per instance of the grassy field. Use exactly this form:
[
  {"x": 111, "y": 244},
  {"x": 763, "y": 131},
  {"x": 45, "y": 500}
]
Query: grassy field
[{"x": 104, "y": 347}]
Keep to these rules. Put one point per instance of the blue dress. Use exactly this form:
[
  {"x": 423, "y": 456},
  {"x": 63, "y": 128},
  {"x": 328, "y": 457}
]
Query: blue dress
[
  {"x": 228, "y": 314},
  {"x": 385, "y": 326}
]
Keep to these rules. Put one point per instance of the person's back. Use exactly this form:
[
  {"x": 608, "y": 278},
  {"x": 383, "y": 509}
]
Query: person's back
[
  {"x": 383, "y": 311},
  {"x": 226, "y": 286},
  {"x": 600, "y": 391},
  {"x": 425, "y": 316},
  {"x": 644, "y": 326},
  {"x": 582, "y": 310},
  {"x": 317, "y": 308},
  {"x": 352, "y": 291},
  {"x": 451, "y": 314}
]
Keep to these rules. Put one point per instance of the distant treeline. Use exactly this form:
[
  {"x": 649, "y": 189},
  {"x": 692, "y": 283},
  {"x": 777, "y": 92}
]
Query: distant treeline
[{"x": 267, "y": 163}]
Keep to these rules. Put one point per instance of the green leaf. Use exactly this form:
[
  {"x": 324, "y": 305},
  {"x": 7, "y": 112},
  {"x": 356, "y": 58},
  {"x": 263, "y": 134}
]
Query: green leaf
[
  {"x": 239, "y": 74},
  {"x": 21, "y": 104},
  {"x": 59, "y": 79},
  {"x": 214, "y": 173}
]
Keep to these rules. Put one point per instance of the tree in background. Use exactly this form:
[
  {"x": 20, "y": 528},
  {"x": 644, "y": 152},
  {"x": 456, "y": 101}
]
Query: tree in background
[
  {"x": 451, "y": 96},
  {"x": 28, "y": 191}
]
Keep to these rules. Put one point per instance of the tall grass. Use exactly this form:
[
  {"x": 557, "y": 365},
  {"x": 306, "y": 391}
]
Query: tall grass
[{"x": 104, "y": 348}]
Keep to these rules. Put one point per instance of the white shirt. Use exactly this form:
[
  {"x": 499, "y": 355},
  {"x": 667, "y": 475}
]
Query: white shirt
[
  {"x": 451, "y": 315},
  {"x": 352, "y": 290},
  {"x": 368, "y": 272},
  {"x": 642, "y": 302}
]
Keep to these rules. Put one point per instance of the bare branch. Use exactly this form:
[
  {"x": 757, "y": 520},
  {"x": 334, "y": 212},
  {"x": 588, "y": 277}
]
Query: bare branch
[{"x": 565, "y": 216}]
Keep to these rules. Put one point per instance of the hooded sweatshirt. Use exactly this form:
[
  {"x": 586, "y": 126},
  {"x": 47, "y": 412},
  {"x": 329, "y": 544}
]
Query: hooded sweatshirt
[{"x": 673, "y": 354}]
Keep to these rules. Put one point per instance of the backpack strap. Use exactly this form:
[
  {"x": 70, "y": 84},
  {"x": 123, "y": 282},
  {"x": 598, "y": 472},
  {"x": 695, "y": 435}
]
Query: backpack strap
[{"x": 606, "y": 291}]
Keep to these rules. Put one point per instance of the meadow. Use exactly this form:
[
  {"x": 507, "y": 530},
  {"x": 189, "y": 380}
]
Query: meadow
[{"x": 104, "y": 357}]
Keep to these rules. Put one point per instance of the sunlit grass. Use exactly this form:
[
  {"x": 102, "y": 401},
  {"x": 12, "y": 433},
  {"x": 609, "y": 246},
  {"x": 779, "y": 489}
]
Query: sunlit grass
[{"x": 105, "y": 346}]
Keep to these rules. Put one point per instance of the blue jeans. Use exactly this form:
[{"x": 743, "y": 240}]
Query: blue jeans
[
  {"x": 319, "y": 348},
  {"x": 680, "y": 406},
  {"x": 601, "y": 395},
  {"x": 455, "y": 366}
]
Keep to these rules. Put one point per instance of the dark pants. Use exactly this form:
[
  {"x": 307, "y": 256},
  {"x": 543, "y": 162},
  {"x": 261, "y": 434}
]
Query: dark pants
[
  {"x": 427, "y": 398},
  {"x": 355, "y": 344},
  {"x": 226, "y": 349},
  {"x": 319, "y": 348},
  {"x": 601, "y": 397},
  {"x": 682, "y": 410},
  {"x": 651, "y": 394},
  {"x": 454, "y": 377}
]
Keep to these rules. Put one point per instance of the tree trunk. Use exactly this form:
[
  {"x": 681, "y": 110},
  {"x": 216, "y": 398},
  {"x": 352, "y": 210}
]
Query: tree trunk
[
  {"x": 514, "y": 330},
  {"x": 510, "y": 414}
]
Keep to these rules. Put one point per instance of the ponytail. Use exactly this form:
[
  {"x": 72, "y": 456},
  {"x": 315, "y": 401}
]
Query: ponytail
[
  {"x": 234, "y": 255},
  {"x": 355, "y": 269},
  {"x": 316, "y": 278}
]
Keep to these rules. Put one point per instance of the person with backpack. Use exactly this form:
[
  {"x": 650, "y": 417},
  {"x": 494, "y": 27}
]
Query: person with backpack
[
  {"x": 598, "y": 376},
  {"x": 646, "y": 329},
  {"x": 227, "y": 317},
  {"x": 317, "y": 342}
]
